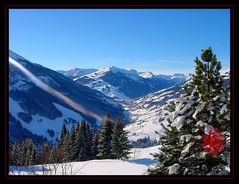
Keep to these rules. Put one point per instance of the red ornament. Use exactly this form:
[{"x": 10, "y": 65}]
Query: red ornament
[{"x": 214, "y": 142}]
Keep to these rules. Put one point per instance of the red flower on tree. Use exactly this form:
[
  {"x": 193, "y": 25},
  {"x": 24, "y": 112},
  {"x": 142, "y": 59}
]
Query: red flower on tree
[{"x": 214, "y": 141}]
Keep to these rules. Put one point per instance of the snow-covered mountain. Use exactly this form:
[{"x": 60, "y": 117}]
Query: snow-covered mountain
[
  {"x": 42, "y": 113},
  {"x": 148, "y": 112},
  {"x": 76, "y": 72},
  {"x": 122, "y": 84}
]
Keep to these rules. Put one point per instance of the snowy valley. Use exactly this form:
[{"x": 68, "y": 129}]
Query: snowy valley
[
  {"x": 42, "y": 101},
  {"x": 112, "y": 90},
  {"x": 112, "y": 87}
]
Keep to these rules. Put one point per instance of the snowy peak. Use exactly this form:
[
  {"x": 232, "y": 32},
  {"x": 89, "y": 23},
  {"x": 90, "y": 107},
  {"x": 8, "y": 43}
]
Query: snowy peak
[
  {"x": 132, "y": 74},
  {"x": 76, "y": 72},
  {"x": 115, "y": 69},
  {"x": 146, "y": 74}
]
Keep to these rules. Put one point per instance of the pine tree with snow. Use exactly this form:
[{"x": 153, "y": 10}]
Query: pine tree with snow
[
  {"x": 24, "y": 153},
  {"x": 15, "y": 154},
  {"x": 197, "y": 114},
  {"x": 170, "y": 150},
  {"x": 210, "y": 99},
  {"x": 105, "y": 138},
  {"x": 207, "y": 78},
  {"x": 11, "y": 153},
  {"x": 120, "y": 143}
]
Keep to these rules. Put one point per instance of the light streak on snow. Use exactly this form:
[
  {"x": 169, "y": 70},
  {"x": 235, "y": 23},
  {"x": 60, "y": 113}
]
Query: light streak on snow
[{"x": 52, "y": 91}]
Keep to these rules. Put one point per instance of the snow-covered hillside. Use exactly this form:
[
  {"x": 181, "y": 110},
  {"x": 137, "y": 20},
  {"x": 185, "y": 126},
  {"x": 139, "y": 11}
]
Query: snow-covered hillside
[
  {"x": 147, "y": 113},
  {"x": 43, "y": 126},
  {"x": 40, "y": 100},
  {"x": 138, "y": 164}
]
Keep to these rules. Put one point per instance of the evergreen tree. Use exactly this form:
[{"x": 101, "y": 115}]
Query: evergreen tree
[
  {"x": 63, "y": 135},
  {"x": 82, "y": 141},
  {"x": 45, "y": 154},
  {"x": 65, "y": 148},
  {"x": 56, "y": 154},
  {"x": 11, "y": 155},
  {"x": 170, "y": 151},
  {"x": 16, "y": 154},
  {"x": 72, "y": 148},
  {"x": 207, "y": 78},
  {"x": 105, "y": 138},
  {"x": 23, "y": 153},
  {"x": 120, "y": 143},
  {"x": 89, "y": 142},
  {"x": 61, "y": 150},
  {"x": 94, "y": 148},
  {"x": 191, "y": 118},
  {"x": 31, "y": 153},
  {"x": 77, "y": 143},
  {"x": 209, "y": 95}
]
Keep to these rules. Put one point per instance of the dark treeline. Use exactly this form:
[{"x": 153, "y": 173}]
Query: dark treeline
[{"x": 81, "y": 143}]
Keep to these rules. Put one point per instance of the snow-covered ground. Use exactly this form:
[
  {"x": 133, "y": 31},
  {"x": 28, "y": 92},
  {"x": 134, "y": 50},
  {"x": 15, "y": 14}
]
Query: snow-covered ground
[
  {"x": 138, "y": 164},
  {"x": 143, "y": 153},
  {"x": 93, "y": 167}
]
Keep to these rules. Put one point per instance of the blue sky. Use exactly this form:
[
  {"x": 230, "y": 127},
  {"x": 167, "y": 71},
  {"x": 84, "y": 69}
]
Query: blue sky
[{"x": 159, "y": 40}]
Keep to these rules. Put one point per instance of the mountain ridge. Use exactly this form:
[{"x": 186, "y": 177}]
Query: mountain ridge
[
  {"x": 35, "y": 108},
  {"x": 122, "y": 84}
]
